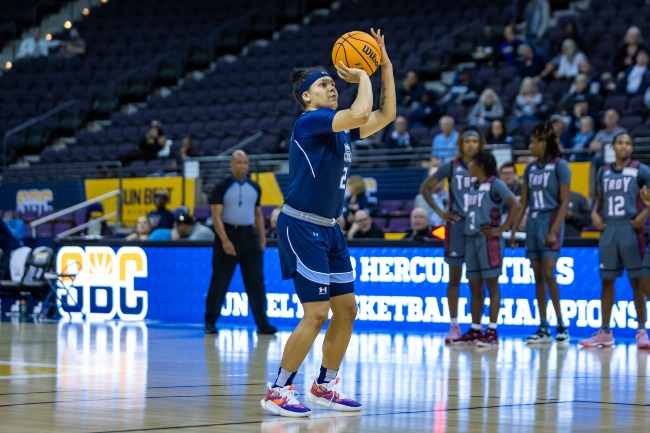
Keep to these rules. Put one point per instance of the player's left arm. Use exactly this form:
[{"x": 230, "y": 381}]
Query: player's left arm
[
  {"x": 564, "y": 175},
  {"x": 388, "y": 100},
  {"x": 642, "y": 216}
]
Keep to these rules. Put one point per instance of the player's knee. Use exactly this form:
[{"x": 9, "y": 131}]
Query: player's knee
[
  {"x": 347, "y": 311},
  {"x": 316, "y": 317}
]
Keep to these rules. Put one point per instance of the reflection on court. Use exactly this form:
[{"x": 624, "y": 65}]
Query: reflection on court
[{"x": 121, "y": 376}]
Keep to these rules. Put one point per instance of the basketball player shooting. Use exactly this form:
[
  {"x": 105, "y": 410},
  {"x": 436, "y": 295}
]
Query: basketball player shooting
[{"x": 313, "y": 251}]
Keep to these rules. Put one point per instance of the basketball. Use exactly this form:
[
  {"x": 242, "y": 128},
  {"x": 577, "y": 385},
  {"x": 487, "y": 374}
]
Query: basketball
[{"x": 357, "y": 50}]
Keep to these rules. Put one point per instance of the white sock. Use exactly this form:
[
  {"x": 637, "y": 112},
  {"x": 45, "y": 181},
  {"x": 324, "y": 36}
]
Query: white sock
[
  {"x": 454, "y": 321},
  {"x": 492, "y": 325},
  {"x": 476, "y": 326}
]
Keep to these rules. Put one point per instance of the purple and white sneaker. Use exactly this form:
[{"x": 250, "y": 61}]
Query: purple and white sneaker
[
  {"x": 328, "y": 395},
  {"x": 283, "y": 402}
]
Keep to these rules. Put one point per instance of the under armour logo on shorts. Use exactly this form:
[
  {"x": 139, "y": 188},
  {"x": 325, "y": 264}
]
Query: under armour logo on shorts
[{"x": 322, "y": 290}]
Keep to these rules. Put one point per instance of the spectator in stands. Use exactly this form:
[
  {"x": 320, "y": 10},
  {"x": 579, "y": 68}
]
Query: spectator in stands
[
  {"x": 569, "y": 60},
  {"x": 364, "y": 227},
  {"x": 463, "y": 90},
  {"x": 637, "y": 78},
  {"x": 420, "y": 228},
  {"x": 508, "y": 48},
  {"x": 440, "y": 196},
  {"x": 581, "y": 93},
  {"x": 578, "y": 216},
  {"x": 8, "y": 243},
  {"x": 560, "y": 129},
  {"x": 161, "y": 218},
  {"x": 427, "y": 113},
  {"x": 586, "y": 69},
  {"x": 35, "y": 46},
  {"x": 508, "y": 174},
  {"x": 497, "y": 133},
  {"x": 356, "y": 200},
  {"x": 400, "y": 139},
  {"x": 186, "y": 151},
  {"x": 444, "y": 146},
  {"x": 487, "y": 47},
  {"x": 411, "y": 90},
  {"x": 606, "y": 135},
  {"x": 537, "y": 16},
  {"x": 141, "y": 231},
  {"x": 529, "y": 103},
  {"x": 74, "y": 46},
  {"x": 582, "y": 139},
  {"x": 150, "y": 145},
  {"x": 529, "y": 63},
  {"x": 186, "y": 227},
  {"x": 272, "y": 232},
  {"x": 627, "y": 52},
  {"x": 487, "y": 108}
]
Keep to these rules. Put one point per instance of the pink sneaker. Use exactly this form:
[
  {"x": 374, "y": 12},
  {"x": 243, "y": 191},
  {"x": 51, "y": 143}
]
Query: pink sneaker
[
  {"x": 283, "y": 402},
  {"x": 454, "y": 333},
  {"x": 642, "y": 341},
  {"x": 328, "y": 395},
  {"x": 601, "y": 338}
]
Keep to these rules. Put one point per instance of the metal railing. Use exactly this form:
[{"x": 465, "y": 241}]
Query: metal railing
[
  {"x": 86, "y": 225},
  {"x": 82, "y": 205}
]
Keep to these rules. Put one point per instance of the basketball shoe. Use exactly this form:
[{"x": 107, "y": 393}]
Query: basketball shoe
[
  {"x": 454, "y": 333},
  {"x": 542, "y": 335},
  {"x": 562, "y": 334},
  {"x": 329, "y": 395},
  {"x": 488, "y": 339},
  {"x": 470, "y": 337},
  {"x": 283, "y": 402},
  {"x": 601, "y": 338},
  {"x": 642, "y": 341}
]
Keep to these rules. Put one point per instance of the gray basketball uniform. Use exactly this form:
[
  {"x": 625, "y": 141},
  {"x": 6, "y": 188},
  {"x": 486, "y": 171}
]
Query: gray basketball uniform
[
  {"x": 621, "y": 246},
  {"x": 544, "y": 180},
  {"x": 460, "y": 182},
  {"x": 485, "y": 207}
]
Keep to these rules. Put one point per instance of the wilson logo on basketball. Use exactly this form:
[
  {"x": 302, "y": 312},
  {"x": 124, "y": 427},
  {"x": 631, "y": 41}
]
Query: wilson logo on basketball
[
  {"x": 371, "y": 54},
  {"x": 103, "y": 286}
]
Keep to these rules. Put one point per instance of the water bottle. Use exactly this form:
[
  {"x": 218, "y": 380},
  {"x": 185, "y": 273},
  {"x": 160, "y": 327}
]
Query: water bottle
[{"x": 23, "y": 308}]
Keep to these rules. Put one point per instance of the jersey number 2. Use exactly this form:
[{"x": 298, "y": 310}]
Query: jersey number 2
[{"x": 344, "y": 177}]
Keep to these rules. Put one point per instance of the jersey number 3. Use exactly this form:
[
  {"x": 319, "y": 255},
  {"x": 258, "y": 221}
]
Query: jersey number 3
[{"x": 344, "y": 178}]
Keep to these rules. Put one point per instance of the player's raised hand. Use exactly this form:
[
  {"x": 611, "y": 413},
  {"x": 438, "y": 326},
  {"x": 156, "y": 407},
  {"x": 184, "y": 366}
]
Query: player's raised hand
[
  {"x": 351, "y": 75},
  {"x": 385, "y": 60}
]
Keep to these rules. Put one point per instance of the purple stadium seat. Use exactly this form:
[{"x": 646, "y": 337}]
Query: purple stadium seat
[
  {"x": 630, "y": 122},
  {"x": 399, "y": 225},
  {"x": 617, "y": 102}
]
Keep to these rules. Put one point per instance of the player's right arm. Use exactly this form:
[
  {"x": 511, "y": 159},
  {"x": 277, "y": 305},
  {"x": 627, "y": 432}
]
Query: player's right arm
[
  {"x": 596, "y": 219},
  {"x": 359, "y": 112},
  {"x": 522, "y": 210},
  {"x": 217, "y": 212},
  {"x": 427, "y": 187}
]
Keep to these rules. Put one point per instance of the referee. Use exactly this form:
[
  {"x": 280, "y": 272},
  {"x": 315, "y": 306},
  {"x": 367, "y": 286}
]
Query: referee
[{"x": 239, "y": 224}]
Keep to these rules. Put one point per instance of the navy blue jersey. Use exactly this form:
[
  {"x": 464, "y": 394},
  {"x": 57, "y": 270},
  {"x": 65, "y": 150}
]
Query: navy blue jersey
[{"x": 319, "y": 164}]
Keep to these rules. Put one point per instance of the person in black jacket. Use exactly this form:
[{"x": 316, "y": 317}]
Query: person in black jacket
[
  {"x": 364, "y": 227},
  {"x": 578, "y": 216}
]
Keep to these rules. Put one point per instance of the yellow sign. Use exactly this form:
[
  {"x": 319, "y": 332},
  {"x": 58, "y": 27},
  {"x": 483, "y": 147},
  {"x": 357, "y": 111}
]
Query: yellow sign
[
  {"x": 271, "y": 193},
  {"x": 137, "y": 194}
]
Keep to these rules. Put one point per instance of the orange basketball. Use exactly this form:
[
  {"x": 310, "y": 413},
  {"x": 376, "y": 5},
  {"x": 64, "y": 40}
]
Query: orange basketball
[{"x": 357, "y": 50}]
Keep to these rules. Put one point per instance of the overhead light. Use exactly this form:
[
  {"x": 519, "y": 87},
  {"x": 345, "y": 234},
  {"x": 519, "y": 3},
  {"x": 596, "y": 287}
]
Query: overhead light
[
  {"x": 85, "y": 11},
  {"x": 8, "y": 65},
  {"x": 48, "y": 37},
  {"x": 67, "y": 25}
]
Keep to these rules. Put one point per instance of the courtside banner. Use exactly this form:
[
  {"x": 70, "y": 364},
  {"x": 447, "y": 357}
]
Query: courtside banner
[
  {"x": 397, "y": 288},
  {"x": 137, "y": 197}
]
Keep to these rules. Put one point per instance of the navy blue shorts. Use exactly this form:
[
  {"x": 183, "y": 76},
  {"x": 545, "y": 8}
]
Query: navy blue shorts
[{"x": 316, "y": 253}]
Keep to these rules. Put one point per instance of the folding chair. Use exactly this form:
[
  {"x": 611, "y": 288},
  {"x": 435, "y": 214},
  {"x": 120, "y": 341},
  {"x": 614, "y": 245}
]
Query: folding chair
[
  {"x": 31, "y": 281},
  {"x": 63, "y": 281}
]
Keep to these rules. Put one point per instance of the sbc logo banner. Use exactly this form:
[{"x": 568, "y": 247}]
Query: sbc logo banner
[{"x": 104, "y": 286}]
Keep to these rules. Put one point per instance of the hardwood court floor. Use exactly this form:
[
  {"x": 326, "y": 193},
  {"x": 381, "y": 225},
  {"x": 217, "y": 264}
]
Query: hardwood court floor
[{"x": 121, "y": 377}]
